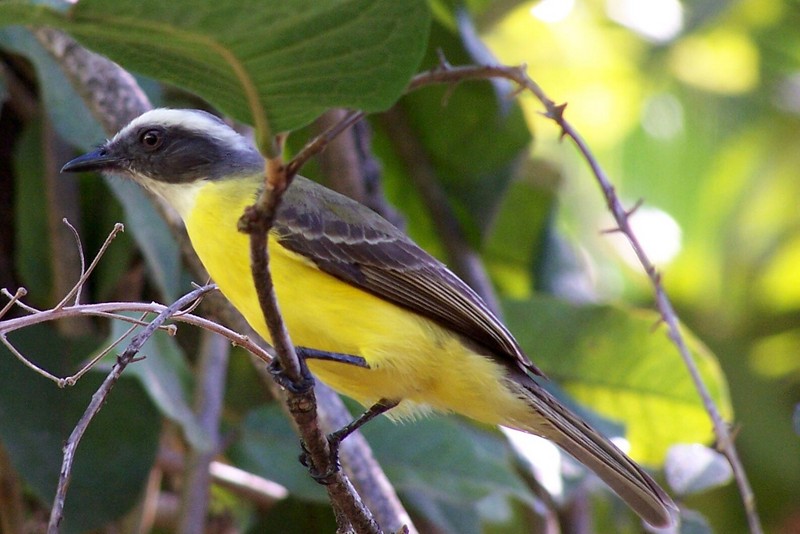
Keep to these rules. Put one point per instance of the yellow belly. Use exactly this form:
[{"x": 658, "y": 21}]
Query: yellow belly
[{"x": 410, "y": 358}]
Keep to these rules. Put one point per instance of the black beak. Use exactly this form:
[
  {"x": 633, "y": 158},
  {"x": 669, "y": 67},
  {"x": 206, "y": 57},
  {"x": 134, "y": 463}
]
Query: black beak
[{"x": 96, "y": 160}]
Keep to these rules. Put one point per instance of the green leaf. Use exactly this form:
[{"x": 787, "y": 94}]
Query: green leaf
[
  {"x": 447, "y": 460},
  {"x": 612, "y": 360},
  {"x": 474, "y": 135},
  {"x": 519, "y": 235},
  {"x": 445, "y": 468},
  {"x": 113, "y": 459},
  {"x": 32, "y": 237},
  {"x": 300, "y": 57}
]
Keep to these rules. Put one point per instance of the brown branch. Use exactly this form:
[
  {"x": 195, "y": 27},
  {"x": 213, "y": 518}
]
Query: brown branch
[
  {"x": 348, "y": 165},
  {"x": 99, "y": 398},
  {"x": 444, "y": 73},
  {"x": 351, "y": 514}
]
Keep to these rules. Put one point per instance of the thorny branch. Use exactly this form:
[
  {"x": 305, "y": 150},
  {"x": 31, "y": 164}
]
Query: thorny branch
[{"x": 445, "y": 73}]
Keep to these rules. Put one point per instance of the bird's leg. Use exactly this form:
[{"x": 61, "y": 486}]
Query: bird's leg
[
  {"x": 306, "y": 380},
  {"x": 314, "y": 354},
  {"x": 335, "y": 438}
]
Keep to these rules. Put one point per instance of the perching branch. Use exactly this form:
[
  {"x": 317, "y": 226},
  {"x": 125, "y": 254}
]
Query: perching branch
[
  {"x": 351, "y": 514},
  {"x": 445, "y": 73}
]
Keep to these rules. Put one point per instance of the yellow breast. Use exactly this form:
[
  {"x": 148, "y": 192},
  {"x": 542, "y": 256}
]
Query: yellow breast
[{"x": 410, "y": 357}]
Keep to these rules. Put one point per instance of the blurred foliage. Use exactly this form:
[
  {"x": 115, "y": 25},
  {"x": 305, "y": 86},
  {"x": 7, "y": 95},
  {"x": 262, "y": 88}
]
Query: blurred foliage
[{"x": 695, "y": 110}]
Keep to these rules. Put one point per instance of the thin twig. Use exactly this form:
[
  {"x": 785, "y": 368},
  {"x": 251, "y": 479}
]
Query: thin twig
[
  {"x": 444, "y": 73},
  {"x": 12, "y": 299},
  {"x": 72, "y": 380},
  {"x": 15, "y": 299},
  {"x": 112, "y": 309},
  {"x": 118, "y": 227},
  {"x": 99, "y": 398},
  {"x": 4, "y": 340},
  {"x": 81, "y": 255},
  {"x": 318, "y": 144}
]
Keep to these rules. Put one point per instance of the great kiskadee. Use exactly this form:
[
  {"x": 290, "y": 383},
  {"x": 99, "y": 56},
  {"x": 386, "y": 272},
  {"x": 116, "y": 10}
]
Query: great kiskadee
[{"x": 349, "y": 282}]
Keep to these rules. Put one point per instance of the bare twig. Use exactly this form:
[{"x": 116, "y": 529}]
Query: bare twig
[
  {"x": 119, "y": 227},
  {"x": 112, "y": 310},
  {"x": 12, "y": 299},
  {"x": 99, "y": 398},
  {"x": 445, "y": 73}
]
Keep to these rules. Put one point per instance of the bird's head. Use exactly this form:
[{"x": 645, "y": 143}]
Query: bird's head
[{"x": 166, "y": 147}]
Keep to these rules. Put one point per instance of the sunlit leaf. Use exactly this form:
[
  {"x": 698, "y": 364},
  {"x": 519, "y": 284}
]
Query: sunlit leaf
[{"x": 615, "y": 362}]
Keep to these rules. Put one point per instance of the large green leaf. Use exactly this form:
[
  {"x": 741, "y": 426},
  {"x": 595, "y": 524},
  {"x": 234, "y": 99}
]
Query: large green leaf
[
  {"x": 300, "y": 57},
  {"x": 115, "y": 456},
  {"x": 617, "y": 363}
]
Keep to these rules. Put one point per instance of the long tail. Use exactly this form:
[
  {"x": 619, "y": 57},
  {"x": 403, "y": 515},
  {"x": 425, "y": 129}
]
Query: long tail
[{"x": 597, "y": 453}]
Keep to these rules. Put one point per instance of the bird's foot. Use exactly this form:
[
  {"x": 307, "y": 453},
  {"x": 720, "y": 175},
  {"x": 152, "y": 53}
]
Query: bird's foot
[
  {"x": 298, "y": 387},
  {"x": 335, "y": 440}
]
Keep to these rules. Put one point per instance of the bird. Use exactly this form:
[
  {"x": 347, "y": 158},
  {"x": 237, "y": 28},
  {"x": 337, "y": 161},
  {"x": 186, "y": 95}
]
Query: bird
[{"x": 348, "y": 282}]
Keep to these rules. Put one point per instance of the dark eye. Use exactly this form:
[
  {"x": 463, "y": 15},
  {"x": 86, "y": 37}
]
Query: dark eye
[{"x": 151, "y": 139}]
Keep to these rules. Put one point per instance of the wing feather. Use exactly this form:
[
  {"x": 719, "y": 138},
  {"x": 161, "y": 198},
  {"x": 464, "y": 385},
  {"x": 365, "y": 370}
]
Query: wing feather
[{"x": 349, "y": 241}]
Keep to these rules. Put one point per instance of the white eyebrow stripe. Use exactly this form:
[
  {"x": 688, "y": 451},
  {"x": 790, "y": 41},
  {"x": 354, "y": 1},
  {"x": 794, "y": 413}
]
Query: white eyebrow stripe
[{"x": 190, "y": 120}]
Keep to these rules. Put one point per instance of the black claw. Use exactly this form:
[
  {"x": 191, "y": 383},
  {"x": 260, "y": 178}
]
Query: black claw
[
  {"x": 305, "y": 384},
  {"x": 327, "y": 477}
]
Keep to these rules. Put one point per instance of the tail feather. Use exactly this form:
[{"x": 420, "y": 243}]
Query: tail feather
[{"x": 597, "y": 453}]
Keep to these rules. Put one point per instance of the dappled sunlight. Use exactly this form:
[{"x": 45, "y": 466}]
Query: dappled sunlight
[
  {"x": 552, "y": 11},
  {"x": 659, "y": 234},
  {"x": 543, "y": 457},
  {"x": 722, "y": 61},
  {"x": 656, "y": 20}
]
